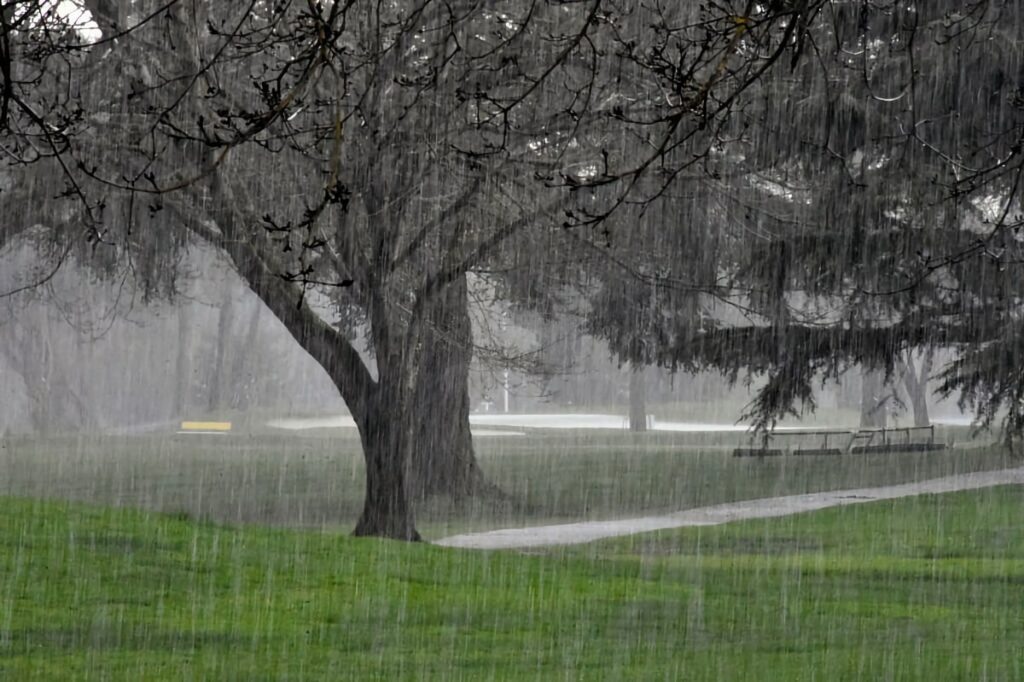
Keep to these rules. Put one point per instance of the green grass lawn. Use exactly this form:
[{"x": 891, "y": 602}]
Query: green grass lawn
[
  {"x": 922, "y": 588},
  {"x": 316, "y": 481}
]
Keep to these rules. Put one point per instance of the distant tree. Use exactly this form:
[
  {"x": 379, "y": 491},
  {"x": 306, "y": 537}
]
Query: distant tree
[
  {"x": 637, "y": 399},
  {"x": 875, "y": 208},
  {"x": 875, "y": 399},
  {"x": 219, "y": 377},
  {"x": 915, "y": 376},
  {"x": 42, "y": 359},
  {"x": 183, "y": 379}
]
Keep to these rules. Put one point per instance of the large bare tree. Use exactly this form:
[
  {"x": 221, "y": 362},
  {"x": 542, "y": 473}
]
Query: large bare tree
[{"x": 355, "y": 160}]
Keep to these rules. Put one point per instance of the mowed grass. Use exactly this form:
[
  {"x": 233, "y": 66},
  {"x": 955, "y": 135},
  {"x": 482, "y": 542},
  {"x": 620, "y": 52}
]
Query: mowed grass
[
  {"x": 316, "y": 480},
  {"x": 922, "y": 588}
]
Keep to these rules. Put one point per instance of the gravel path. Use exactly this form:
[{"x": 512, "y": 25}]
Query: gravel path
[{"x": 578, "y": 533}]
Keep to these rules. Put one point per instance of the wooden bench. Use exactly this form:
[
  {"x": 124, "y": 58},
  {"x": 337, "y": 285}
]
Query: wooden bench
[{"x": 844, "y": 441}]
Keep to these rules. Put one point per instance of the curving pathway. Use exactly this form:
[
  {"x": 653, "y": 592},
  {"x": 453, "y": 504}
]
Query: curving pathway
[{"x": 589, "y": 531}]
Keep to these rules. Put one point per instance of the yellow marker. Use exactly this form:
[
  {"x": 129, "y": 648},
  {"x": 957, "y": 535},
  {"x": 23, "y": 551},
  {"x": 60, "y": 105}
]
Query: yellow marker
[{"x": 205, "y": 426}]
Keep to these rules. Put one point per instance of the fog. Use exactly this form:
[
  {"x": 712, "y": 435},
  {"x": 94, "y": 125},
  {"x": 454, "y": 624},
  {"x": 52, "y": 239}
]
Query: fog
[{"x": 522, "y": 340}]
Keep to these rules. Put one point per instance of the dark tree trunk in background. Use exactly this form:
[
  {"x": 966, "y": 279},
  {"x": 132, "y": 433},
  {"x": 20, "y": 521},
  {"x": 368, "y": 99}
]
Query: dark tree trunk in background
[
  {"x": 36, "y": 367},
  {"x": 915, "y": 380},
  {"x": 55, "y": 377},
  {"x": 220, "y": 376},
  {"x": 183, "y": 363},
  {"x": 40, "y": 386},
  {"x": 442, "y": 460},
  {"x": 26, "y": 344},
  {"x": 83, "y": 409},
  {"x": 243, "y": 388},
  {"x": 637, "y": 400},
  {"x": 576, "y": 377},
  {"x": 872, "y": 399}
]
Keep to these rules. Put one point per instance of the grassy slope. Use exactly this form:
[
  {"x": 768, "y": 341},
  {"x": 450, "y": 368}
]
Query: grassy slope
[{"x": 929, "y": 587}]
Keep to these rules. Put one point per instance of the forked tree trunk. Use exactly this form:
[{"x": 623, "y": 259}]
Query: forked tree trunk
[
  {"x": 919, "y": 404},
  {"x": 384, "y": 409},
  {"x": 381, "y": 407},
  {"x": 915, "y": 380},
  {"x": 442, "y": 460}
]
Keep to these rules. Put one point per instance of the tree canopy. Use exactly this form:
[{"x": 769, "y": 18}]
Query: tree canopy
[
  {"x": 865, "y": 202},
  {"x": 356, "y": 160}
]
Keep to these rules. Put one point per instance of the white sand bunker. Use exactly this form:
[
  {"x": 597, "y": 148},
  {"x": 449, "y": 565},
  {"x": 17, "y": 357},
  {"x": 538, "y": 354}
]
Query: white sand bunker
[
  {"x": 346, "y": 422},
  {"x": 590, "y": 421},
  {"x": 578, "y": 533},
  {"x": 341, "y": 421}
]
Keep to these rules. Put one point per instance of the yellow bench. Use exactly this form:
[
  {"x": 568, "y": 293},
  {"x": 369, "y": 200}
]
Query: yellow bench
[{"x": 205, "y": 427}]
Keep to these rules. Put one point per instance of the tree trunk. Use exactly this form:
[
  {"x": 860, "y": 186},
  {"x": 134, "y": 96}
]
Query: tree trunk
[
  {"x": 442, "y": 461},
  {"x": 83, "y": 392},
  {"x": 384, "y": 408},
  {"x": 919, "y": 404},
  {"x": 915, "y": 380},
  {"x": 387, "y": 511},
  {"x": 220, "y": 376},
  {"x": 872, "y": 399},
  {"x": 381, "y": 407},
  {"x": 637, "y": 400},
  {"x": 386, "y": 430},
  {"x": 41, "y": 388},
  {"x": 243, "y": 387},
  {"x": 183, "y": 364}
]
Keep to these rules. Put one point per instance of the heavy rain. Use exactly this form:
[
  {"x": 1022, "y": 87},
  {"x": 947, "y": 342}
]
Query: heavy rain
[{"x": 533, "y": 339}]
